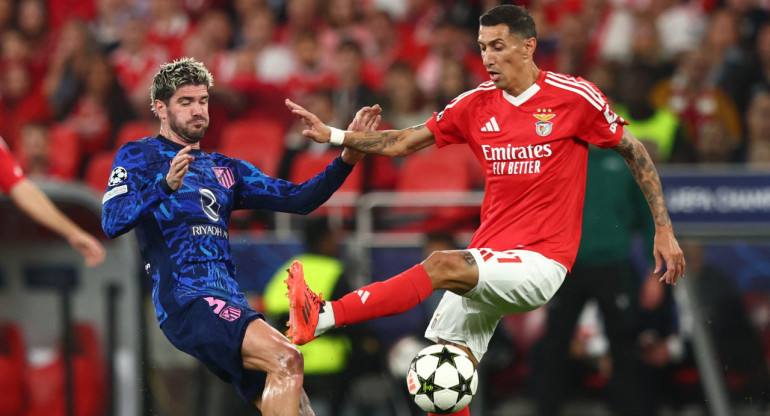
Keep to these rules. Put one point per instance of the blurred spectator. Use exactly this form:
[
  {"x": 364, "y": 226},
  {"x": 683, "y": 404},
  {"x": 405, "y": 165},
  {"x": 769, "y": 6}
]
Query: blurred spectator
[
  {"x": 34, "y": 152},
  {"x": 69, "y": 67},
  {"x": 15, "y": 50},
  {"x": 715, "y": 144},
  {"x": 722, "y": 41},
  {"x": 403, "y": 99},
  {"x": 657, "y": 127},
  {"x": 646, "y": 48},
  {"x": 257, "y": 55},
  {"x": 350, "y": 91},
  {"x": 7, "y": 14},
  {"x": 751, "y": 15},
  {"x": 453, "y": 81},
  {"x": 389, "y": 46},
  {"x": 448, "y": 41},
  {"x": 169, "y": 25},
  {"x": 309, "y": 73},
  {"x": 301, "y": 16},
  {"x": 136, "y": 60},
  {"x": 108, "y": 24},
  {"x": 99, "y": 110},
  {"x": 571, "y": 56},
  {"x": 681, "y": 25},
  {"x": 694, "y": 98},
  {"x": 210, "y": 41},
  {"x": 758, "y": 130},
  {"x": 33, "y": 24},
  {"x": 344, "y": 22},
  {"x": 21, "y": 102},
  {"x": 743, "y": 80}
]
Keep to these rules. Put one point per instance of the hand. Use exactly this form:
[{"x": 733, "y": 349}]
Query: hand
[
  {"x": 367, "y": 119},
  {"x": 179, "y": 166},
  {"x": 89, "y": 247},
  {"x": 666, "y": 249},
  {"x": 314, "y": 128}
]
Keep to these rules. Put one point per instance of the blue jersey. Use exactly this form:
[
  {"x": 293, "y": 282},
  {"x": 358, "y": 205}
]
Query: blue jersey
[{"x": 183, "y": 235}]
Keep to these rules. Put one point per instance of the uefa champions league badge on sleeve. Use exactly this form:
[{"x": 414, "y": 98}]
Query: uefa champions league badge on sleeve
[{"x": 118, "y": 175}]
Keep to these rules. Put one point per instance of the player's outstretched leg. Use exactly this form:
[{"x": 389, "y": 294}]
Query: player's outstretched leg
[{"x": 309, "y": 316}]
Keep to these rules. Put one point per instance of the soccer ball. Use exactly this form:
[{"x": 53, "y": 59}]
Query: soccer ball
[{"x": 442, "y": 379}]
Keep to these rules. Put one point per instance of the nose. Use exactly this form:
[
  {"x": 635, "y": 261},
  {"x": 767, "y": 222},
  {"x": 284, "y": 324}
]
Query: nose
[{"x": 486, "y": 58}]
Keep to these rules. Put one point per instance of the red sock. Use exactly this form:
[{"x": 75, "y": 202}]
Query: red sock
[
  {"x": 464, "y": 412},
  {"x": 393, "y": 296}
]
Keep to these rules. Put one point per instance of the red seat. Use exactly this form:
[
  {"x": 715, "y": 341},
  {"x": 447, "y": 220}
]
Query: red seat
[
  {"x": 98, "y": 171},
  {"x": 257, "y": 141},
  {"x": 65, "y": 152},
  {"x": 13, "y": 366},
  {"x": 46, "y": 384},
  {"x": 135, "y": 130}
]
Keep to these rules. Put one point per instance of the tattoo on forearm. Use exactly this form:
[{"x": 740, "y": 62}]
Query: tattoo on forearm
[
  {"x": 646, "y": 176},
  {"x": 469, "y": 258},
  {"x": 379, "y": 142}
]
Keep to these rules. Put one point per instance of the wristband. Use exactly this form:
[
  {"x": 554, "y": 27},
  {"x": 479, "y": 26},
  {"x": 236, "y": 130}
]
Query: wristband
[{"x": 337, "y": 137}]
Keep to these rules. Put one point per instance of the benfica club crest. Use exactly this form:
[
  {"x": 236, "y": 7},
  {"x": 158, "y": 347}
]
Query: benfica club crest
[
  {"x": 544, "y": 127},
  {"x": 224, "y": 176}
]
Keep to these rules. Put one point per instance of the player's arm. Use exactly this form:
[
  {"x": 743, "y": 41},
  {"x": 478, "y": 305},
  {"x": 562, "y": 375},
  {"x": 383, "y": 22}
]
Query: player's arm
[
  {"x": 386, "y": 143},
  {"x": 33, "y": 202},
  {"x": 666, "y": 248},
  {"x": 134, "y": 191}
]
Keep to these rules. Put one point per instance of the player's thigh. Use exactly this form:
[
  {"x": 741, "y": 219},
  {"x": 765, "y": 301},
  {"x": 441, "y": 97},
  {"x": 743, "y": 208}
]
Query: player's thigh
[
  {"x": 514, "y": 281},
  {"x": 453, "y": 270},
  {"x": 265, "y": 349}
]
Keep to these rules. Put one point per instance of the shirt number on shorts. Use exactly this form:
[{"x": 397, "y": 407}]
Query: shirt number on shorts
[{"x": 500, "y": 256}]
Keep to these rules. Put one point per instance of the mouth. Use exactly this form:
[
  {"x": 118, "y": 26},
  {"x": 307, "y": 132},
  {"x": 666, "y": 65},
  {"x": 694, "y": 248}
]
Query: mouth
[{"x": 494, "y": 76}]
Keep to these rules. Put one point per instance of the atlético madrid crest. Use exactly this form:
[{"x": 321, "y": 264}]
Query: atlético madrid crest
[{"x": 544, "y": 127}]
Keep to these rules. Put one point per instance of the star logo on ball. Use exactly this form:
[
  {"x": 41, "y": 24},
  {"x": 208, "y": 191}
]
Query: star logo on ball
[
  {"x": 445, "y": 356},
  {"x": 117, "y": 176}
]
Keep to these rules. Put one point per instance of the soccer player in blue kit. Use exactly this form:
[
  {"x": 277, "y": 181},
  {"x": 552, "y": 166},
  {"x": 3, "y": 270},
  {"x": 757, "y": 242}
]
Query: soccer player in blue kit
[{"x": 179, "y": 199}]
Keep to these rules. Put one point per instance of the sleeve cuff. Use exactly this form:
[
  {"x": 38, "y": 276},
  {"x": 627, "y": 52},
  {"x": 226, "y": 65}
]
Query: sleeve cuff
[{"x": 164, "y": 187}]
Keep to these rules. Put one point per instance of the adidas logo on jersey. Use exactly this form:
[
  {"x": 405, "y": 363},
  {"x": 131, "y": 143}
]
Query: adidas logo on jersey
[{"x": 491, "y": 126}]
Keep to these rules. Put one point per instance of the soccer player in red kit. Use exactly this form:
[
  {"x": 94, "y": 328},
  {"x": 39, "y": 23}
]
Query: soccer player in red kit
[
  {"x": 530, "y": 130},
  {"x": 30, "y": 199}
]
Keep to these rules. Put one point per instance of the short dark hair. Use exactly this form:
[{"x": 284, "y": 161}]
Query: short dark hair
[{"x": 517, "y": 18}]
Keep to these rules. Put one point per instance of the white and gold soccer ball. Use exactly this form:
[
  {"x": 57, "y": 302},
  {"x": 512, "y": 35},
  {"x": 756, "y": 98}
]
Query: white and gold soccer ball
[{"x": 442, "y": 379}]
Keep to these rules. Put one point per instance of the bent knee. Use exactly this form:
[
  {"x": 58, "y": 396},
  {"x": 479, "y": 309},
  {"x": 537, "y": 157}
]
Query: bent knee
[
  {"x": 454, "y": 270},
  {"x": 284, "y": 360}
]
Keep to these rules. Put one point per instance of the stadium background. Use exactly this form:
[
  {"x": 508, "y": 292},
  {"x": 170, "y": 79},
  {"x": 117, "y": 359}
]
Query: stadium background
[{"x": 74, "y": 86}]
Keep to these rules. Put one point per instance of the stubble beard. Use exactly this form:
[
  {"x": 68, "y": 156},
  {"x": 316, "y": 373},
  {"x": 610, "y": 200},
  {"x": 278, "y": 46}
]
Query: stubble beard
[{"x": 188, "y": 134}]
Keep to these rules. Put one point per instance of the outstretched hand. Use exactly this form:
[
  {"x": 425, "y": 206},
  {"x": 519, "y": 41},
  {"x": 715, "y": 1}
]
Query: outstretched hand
[
  {"x": 91, "y": 249},
  {"x": 666, "y": 249},
  {"x": 314, "y": 128},
  {"x": 367, "y": 119}
]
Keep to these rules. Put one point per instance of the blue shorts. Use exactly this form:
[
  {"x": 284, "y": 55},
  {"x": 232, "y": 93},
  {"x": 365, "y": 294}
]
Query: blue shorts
[{"x": 212, "y": 330}]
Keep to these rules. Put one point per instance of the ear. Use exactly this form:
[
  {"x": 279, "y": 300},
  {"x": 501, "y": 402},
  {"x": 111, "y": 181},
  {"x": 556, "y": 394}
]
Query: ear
[
  {"x": 160, "y": 109},
  {"x": 530, "y": 45}
]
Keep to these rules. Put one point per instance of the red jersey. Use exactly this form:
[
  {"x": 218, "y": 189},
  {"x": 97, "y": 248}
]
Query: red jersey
[
  {"x": 533, "y": 149},
  {"x": 10, "y": 172}
]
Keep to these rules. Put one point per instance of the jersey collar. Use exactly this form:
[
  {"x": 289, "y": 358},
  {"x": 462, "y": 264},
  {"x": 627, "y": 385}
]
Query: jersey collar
[{"x": 527, "y": 94}]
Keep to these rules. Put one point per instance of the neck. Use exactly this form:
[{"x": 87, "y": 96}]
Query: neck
[{"x": 524, "y": 81}]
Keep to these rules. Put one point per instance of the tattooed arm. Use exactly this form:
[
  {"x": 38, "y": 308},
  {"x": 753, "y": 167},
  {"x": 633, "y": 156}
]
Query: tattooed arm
[
  {"x": 385, "y": 143},
  {"x": 666, "y": 248}
]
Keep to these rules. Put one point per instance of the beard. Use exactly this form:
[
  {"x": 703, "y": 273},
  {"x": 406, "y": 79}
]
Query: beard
[{"x": 187, "y": 131}]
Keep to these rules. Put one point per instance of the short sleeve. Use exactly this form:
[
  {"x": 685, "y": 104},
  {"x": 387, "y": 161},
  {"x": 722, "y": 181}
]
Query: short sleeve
[
  {"x": 602, "y": 126},
  {"x": 10, "y": 171},
  {"x": 445, "y": 125}
]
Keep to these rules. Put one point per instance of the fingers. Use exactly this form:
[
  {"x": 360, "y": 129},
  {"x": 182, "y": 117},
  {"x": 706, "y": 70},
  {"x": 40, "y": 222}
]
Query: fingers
[{"x": 179, "y": 167}]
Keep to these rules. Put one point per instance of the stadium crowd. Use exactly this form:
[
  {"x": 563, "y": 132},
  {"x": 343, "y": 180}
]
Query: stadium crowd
[{"x": 74, "y": 74}]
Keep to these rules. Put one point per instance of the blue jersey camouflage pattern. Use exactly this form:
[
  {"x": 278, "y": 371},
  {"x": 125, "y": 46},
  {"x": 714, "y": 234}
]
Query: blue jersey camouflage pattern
[{"x": 183, "y": 235}]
